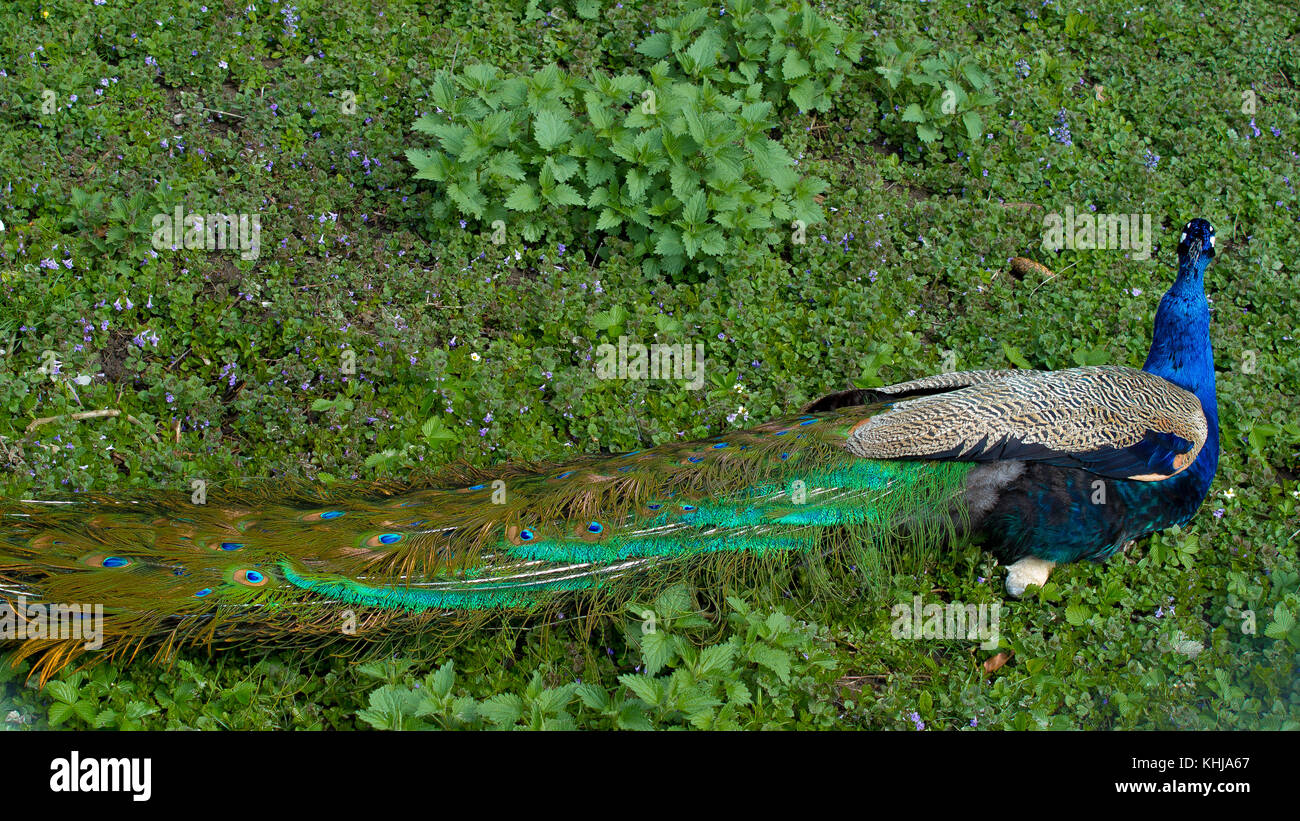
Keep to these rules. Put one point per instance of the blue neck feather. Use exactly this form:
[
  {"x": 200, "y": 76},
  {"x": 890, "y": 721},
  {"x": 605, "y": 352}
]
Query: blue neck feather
[{"x": 1181, "y": 351}]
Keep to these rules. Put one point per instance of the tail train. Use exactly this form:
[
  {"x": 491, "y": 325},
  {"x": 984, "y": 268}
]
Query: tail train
[{"x": 293, "y": 565}]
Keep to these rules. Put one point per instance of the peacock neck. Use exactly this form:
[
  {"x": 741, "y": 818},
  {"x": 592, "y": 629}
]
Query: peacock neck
[{"x": 1181, "y": 350}]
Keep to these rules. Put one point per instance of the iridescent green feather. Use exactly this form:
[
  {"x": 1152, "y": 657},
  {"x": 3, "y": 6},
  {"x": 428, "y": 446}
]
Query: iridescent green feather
[{"x": 290, "y": 564}]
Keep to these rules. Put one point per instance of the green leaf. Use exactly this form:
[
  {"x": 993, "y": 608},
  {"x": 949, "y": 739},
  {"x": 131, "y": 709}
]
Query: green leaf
[
  {"x": 563, "y": 167},
  {"x": 703, "y": 53},
  {"x": 638, "y": 182},
  {"x": 502, "y": 709},
  {"x": 774, "y": 659},
  {"x": 551, "y": 130},
  {"x": 658, "y": 649},
  {"x": 794, "y": 66},
  {"x": 645, "y": 687},
  {"x": 774, "y": 163},
  {"x": 695, "y": 211},
  {"x": 468, "y": 198},
  {"x": 60, "y": 712},
  {"x": 564, "y": 194},
  {"x": 435, "y": 431},
  {"x": 914, "y": 114},
  {"x": 975, "y": 75},
  {"x": 713, "y": 242},
  {"x": 974, "y": 125},
  {"x": 656, "y": 46},
  {"x": 506, "y": 164},
  {"x": 716, "y": 659},
  {"x": 1015, "y": 357},
  {"x": 593, "y": 696},
  {"x": 443, "y": 679},
  {"x": 62, "y": 691},
  {"x": 805, "y": 96},
  {"x": 1077, "y": 614},
  {"x": 601, "y": 117},
  {"x": 632, "y": 717},
  {"x": 555, "y": 699},
  {"x": 523, "y": 198},
  {"x": 613, "y": 318},
  {"x": 391, "y": 708},
  {"x": 1282, "y": 623},
  {"x": 609, "y": 219}
]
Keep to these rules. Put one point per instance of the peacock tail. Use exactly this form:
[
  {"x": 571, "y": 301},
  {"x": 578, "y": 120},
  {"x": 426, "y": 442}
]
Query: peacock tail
[{"x": 293, "y": 563}]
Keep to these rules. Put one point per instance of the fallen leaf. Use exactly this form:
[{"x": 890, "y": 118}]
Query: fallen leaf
[{"x": 996, "y": 662}]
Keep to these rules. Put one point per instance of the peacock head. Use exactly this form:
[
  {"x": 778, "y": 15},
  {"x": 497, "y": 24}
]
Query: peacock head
[{"x": 1195, "y": 247}]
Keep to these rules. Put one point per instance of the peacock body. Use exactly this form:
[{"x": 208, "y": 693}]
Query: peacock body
[{"x": 1045, "y": 467}]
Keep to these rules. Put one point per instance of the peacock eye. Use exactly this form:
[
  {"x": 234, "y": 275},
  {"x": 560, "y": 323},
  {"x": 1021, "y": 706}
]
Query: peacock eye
[{"x": 526, "y": 535}]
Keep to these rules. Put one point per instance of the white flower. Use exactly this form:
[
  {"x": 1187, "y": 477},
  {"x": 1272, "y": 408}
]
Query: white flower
[
  {"x": 1229, "y": 494},
  {"x": 475, "y": 357}
]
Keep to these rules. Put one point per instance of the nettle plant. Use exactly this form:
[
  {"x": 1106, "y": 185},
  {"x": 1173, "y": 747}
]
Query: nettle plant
[
  {"x": 795, "y": 53},
  {"x": 936, "y": 98},
  {"x": 683, "y": 171}
]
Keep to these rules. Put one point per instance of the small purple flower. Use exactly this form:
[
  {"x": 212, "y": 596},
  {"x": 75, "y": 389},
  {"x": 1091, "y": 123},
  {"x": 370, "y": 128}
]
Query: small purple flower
[{"x": 1062, "y": 130}]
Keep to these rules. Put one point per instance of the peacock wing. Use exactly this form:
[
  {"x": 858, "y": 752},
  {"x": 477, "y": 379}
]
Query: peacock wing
[{"x": 1113, "y": 421}]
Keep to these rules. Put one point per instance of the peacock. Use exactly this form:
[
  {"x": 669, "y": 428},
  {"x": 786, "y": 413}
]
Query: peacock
[{"x": 1045, "y": 467}]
